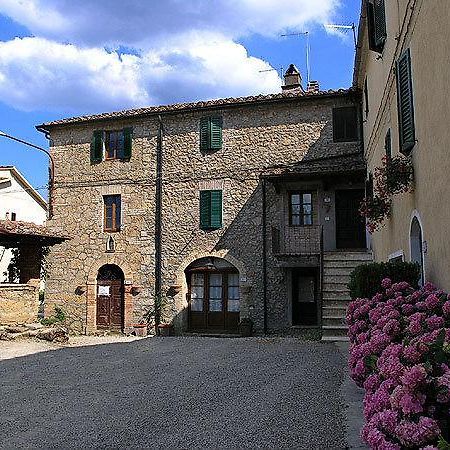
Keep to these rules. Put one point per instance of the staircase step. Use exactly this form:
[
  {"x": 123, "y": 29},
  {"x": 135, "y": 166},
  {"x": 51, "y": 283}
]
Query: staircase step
[
  {"x": 336, "y": 295},
  {"x": 335, "y": 321},
  {"x": 338, "y": 287},
  {"x": 334, "y": 310},
  {"x": 334, "y": 331},
  {"x": 340, "y": 264},
  {"x": 331, "y": 303},
  {"x": 335, "y": 338},
  {"x": 341, "y": 279},
  {"x": 347, "y": 256}
]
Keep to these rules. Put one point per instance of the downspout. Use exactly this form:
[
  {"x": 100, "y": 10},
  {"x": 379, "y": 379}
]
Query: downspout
[
  {"x": 264, "y": 250},
  {"x": 158, "y": 222}
]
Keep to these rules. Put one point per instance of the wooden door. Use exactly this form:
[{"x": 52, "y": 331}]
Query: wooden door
[
  {"x": 110, "y": 304},
  {"x": 213, "y": 301},
  {"x": 350, "y": 228},
  {"x": 304, "y": 297}
]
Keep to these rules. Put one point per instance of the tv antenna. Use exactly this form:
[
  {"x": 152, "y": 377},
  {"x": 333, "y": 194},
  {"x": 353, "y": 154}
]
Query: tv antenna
[
  {"x": 304, "y": 33},
  {"x": 271, "y": 70},
  {"x": 344, "y": 28}
]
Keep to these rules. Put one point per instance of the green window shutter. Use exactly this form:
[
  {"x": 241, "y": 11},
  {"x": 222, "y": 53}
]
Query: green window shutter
[
  {"x": 216, "y": 132},
  {"x": 371, "y": 26},
  {"x": 127, "y": 142},
  {"x": 205, "y": 210},
  {"x": 405, "y": 104},
  {"x": 216, "y": 209},
  {"x": 97, "y": 147},
  {"x": 204, "y": 134},
  {"x": 380, "y": 23}
]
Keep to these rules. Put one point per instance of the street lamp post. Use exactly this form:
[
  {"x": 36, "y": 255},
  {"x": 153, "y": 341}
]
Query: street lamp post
[{"x": 51, "y": 168}]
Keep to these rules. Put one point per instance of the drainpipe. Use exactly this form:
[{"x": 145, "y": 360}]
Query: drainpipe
[
  {"x": 264, "y": 250},
  {"x": 158, "y": 221}
]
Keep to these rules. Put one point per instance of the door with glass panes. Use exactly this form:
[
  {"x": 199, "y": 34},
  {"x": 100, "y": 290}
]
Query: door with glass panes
[{"x": 214, "y": 302}]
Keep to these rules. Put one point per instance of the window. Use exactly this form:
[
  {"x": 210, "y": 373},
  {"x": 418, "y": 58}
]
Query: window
[
  {"x": 210, "y": 210},
  {"x": 13, "y": 216},
  {"x": 111, "y": 144},
  {"x": 112, "y": 212},
  {"x": 388, "y": 145},
  {"x": 345, "y": 124},
  {"x": 407, "y": 133},
  {"x": 210, "y": 133},
  {"x": 366, "y": 98},
  {"x": 376, "y": 21},
  {"x": 300, "y": 209}
]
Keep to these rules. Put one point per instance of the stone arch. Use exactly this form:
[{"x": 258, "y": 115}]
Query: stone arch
[{"x": 416, "y": 244}]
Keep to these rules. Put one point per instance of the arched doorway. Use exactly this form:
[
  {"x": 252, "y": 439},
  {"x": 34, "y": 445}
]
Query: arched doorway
[
  {"x": 213, "y": 295},
  {"x": 110, "y": 298},
  {"x": 416, "y": 240}
]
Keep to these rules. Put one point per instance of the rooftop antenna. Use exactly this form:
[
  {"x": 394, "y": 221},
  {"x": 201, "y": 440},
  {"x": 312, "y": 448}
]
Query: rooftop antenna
[
  {"x": 271, "y": 70},
  {"x": 304, "y": 33},
  {"x": 345, "y": 28}
]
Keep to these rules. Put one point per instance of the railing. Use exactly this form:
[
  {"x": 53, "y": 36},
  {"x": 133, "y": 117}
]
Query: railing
[{"x": 293, "y": 241}]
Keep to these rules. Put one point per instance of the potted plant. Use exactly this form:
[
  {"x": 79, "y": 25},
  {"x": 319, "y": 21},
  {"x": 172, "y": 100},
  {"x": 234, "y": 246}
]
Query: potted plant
[
  {"x": 395, "y": 176},
  {"x": 246, "y": 327},
  {"x": 140, "y": 329},
  {"x": 375, "y": 209}
]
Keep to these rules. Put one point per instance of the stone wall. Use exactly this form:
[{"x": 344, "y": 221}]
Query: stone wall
[
  {"x": 19, "y": 303},
  {"x": 254, "y": 137}
]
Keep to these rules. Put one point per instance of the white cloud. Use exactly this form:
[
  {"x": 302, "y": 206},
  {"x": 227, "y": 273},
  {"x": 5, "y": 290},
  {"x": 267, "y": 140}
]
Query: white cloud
[
  {"x": 36, "y": 73},
  {"x": 177, "y": 50}
]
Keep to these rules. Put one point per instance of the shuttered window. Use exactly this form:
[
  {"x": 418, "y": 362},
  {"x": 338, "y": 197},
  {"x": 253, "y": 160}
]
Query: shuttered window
[
  {"x": 345, "y": 127},
  {"x": 111, "y": 144},
  {"x": 376, "y": 21},
  {"x": 405, "y": 103},
  {"x": 388, "y": 145},
  {"x": 112, "y": 212},
  {"x": 210, "y": 209},
  {"x": 210, "y": 133}
]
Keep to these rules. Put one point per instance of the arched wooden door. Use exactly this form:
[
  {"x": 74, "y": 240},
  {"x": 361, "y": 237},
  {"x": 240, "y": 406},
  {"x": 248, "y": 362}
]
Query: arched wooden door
[
  {"x": 110, "y": 298},
  {"x": 213, "y": 296}
]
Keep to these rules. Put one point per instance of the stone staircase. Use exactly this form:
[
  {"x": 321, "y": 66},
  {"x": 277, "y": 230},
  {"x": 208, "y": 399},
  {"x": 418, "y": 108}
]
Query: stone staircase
[{"x": 337, "y": 267}]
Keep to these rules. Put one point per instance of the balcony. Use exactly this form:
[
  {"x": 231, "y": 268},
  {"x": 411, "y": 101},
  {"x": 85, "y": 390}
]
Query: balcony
[{"x": 297, "y": 241}]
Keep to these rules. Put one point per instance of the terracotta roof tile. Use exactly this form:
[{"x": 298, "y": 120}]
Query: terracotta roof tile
[
  {"x": 19, "y": 228},
  {"x": 178, "y": 107}
]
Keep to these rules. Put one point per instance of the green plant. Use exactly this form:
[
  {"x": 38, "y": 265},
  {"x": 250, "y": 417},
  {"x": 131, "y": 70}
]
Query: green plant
[
  {"x": 395, "y": 176},
  {"x": 58, "y": 317},
  {"x": 365, "y": 280},
  {"x": 375, "y": 209},
  {"x": 161, "y": 311}
]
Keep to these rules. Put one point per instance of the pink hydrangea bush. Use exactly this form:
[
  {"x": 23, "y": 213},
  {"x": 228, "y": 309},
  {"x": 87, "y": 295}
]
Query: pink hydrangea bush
[{"x": 400, "y": 355}]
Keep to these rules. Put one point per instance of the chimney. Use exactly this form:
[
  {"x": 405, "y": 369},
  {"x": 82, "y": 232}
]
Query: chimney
[
  {"x": 313, "y": 86},
  {"x": 292, "y": 79}
]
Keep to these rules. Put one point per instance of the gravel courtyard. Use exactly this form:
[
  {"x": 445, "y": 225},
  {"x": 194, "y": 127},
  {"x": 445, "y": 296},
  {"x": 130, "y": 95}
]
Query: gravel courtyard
[{"x": 182, "y": 392}]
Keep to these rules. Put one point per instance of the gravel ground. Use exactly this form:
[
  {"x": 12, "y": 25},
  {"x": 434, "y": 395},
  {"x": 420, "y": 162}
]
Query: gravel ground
[{"x": 183, "y": 392}]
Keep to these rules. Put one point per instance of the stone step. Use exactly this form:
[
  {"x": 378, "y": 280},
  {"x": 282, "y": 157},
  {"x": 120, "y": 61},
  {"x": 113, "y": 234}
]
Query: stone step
[
  {"x": 347, "y": 264},
  {"x": 334, "y": 311},
  {"x": 347, "y": 256},
  {"x": 335, "y": 295},
  {"x": 333, "y": 321},
  {"x": 338, "y": 287},
  {"x": 334, "y": 331},
  {"x": 335, "y": 338},
  {"x": 330, "y": 278},
  {"x": 336, "y": 272}
]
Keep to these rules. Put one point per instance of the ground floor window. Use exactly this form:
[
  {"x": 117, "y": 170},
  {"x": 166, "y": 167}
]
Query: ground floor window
[
  {"x": 416, "y": 240},
  {"x": 304, "y": 297}
]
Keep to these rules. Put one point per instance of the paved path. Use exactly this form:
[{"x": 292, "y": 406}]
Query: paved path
[{"x": 181, "y": 392}]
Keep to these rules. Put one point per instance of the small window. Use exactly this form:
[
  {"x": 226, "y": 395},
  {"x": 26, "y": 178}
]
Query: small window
[
  {"x": 388, "y": 145},
  {"x": 112, "y": 212},
  {"x": 210, "y": 210},
  {"x": 300, "y": 209},
  {"x": 345, "y": 124},
  {"x": 210, "y": 133},
  {"x": 366, "y": 98},
  {"x": 376, "y": 21},
  {"x": 13, "y": 216},
  {"x": 111, "y": 144}
]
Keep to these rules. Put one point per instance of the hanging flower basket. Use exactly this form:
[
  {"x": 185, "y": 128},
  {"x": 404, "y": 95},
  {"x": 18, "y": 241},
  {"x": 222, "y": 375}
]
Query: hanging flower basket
[
  {"x": 395, "y": 176},
  {"x": 375, "y": 209}
]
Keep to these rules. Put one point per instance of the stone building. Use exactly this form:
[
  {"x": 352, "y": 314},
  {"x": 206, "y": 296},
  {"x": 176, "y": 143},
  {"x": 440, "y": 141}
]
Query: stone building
[
  {"x": 403, "y": 69},
  {"x": 231, "y": 208}
]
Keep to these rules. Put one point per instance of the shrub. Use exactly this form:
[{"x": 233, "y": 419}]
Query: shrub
[
  {"x": 400, "y": 354},
  {"x": 365, "y": 280},
  {"x": 58, "y": 316}
]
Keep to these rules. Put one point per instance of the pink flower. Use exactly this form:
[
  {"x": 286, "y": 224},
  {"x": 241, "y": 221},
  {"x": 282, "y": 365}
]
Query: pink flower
[
  {"x": 414, "y": 377},
  {"x": 432, "y": 301},
  {"x": 406, "y": 401},
  {"x": 435, "y": 322},
  {"x": 446, "y": 308},
  {"x": 386, "y": 283}
]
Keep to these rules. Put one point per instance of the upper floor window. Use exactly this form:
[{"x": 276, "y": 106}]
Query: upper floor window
[
  {"x": 210, "y": 209},
  {"x": 366, "y": 98},
  {"x": 388, "y": 145},
  {"x": 210, "y": 133},
  {"x": 111, "y": 144},
  {"x": 13, "y": 216},
  {"x": 112, "y": 212},
  {"x": 406, "y": 128},
  {"x": 300, "y": 209},
  {"x": 345, "y": 128},
  {"x": 376, "y": 21}
]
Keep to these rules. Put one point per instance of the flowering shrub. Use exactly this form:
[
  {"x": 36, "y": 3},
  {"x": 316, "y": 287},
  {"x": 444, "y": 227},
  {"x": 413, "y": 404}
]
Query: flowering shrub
[
  {"x": 395, "y": 176},
  {"x": 400, "y": 354},
  {"x": 375, "y": 209}
]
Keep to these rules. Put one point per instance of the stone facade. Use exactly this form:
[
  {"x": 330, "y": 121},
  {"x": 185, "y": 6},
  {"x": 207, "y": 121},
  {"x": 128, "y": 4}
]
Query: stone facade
[
  {"x": 257, "y": 135},
  {"x": 19, "y": 303}
]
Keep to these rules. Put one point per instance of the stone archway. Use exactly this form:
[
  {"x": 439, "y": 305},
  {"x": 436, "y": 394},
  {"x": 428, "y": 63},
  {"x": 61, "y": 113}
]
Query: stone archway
[
  {"x": 110, "y": 297},
  {"x": 213, "y": 295},
  {"x": 416, "y": 243}
]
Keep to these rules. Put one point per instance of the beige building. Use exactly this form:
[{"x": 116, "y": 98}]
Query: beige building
[
  {"x": 228, "y": 209},
  {"x": 403, "y": 69}
]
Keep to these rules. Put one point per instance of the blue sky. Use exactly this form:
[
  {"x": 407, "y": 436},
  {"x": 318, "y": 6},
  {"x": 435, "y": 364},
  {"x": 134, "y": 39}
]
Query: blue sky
[{"x": 55, "y": 63}]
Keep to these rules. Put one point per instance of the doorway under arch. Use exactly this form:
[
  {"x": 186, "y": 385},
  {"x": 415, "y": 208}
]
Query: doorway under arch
[
  {"x": 213, "y": 295},
  {"x": 416, "y": 240},
  {"x": 110, "y": 298}
]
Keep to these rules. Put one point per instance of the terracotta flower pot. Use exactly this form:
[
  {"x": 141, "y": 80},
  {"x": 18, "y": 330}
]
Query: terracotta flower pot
[
  {"x": 165, "y": 329},
  {"x": 140, "y": 329}
]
